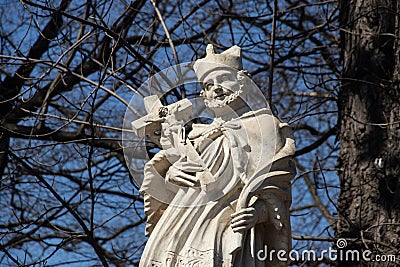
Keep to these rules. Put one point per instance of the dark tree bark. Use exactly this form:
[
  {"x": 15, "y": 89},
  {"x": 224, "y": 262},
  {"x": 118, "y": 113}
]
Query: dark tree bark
[
  {"x": 67, "y": 72},
  {"x": 369, "y": 134}
]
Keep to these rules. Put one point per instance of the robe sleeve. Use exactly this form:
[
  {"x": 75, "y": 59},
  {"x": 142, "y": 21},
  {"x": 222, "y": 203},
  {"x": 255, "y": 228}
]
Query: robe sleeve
[
  {"x": 273, "y": 196},
  {"x": 156, "y": 191}
]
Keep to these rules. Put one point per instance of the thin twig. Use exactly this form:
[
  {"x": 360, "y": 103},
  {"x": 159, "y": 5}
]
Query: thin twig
[
  {"x": 314, "y": 238},
  {"x": 171, "y": 43},
  {"x": 272, "y": 52}
]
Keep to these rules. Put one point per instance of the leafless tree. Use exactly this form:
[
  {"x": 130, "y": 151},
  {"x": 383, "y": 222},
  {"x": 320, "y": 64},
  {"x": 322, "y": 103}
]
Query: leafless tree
[
  {"x": 369, "y": 105},
  {"x": 68, "y": 72}
]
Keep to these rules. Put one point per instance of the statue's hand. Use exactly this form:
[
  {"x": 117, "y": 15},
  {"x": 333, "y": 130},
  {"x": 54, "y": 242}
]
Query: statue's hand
[
  {"x": 179, "y": 177},
  {"x": 244, "y": 220},
  {"x": 173, "y": 115},
  {"x": 172, "y": 128}
]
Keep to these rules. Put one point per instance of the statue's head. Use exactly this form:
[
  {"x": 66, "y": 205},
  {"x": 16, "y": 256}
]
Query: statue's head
[{"x": 221, "y": 76}]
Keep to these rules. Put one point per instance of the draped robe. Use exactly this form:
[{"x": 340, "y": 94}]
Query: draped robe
[{"x": 191, "y": 226}]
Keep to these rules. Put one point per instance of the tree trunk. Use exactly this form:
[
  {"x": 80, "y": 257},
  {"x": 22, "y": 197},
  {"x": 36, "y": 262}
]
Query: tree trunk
[{"x": 369, "y": 134}]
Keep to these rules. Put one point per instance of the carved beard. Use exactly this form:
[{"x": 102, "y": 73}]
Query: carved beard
[{"x": 215, "y": 104}]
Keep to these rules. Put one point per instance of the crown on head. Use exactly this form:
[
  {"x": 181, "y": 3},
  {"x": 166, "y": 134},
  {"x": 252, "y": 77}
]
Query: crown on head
[{"x": 231, "y": 57}]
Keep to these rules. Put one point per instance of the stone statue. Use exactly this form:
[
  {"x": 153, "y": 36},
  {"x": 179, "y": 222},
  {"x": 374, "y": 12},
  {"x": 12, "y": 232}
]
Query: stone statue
[{"x": 219, "y": 193}]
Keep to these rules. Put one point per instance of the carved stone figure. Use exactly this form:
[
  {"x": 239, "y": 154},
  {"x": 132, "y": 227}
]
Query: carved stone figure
[{"x": 218, "y": 194}]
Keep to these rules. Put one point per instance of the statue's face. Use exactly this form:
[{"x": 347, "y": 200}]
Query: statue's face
[
  {"x": 153, "y": 132},
  {"x": 220, "y": 84}
]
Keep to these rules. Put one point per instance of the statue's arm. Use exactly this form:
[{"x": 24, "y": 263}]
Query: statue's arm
[
  {"x": 154, "y": 187},
  {"x": 269, "y": 206},
  {"x": 270, "y": 201},
  {"x": 247, "y": 218},
  {"x": 153, "y": 209}
]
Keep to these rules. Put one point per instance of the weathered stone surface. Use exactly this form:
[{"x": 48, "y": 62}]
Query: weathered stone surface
[{"x": 218, "y": 194}]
